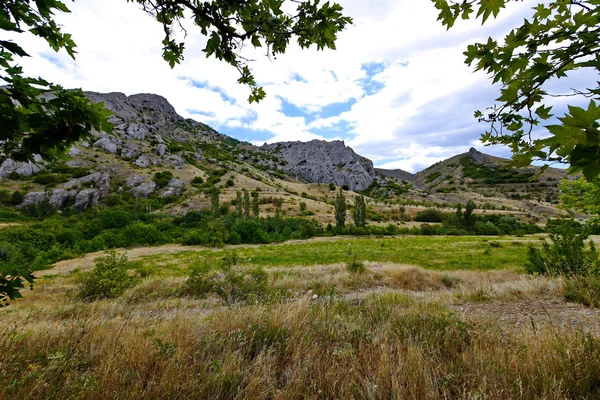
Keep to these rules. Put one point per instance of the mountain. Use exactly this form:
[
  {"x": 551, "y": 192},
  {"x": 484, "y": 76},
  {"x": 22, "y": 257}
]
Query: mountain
[{"x": 153, "y": 152}]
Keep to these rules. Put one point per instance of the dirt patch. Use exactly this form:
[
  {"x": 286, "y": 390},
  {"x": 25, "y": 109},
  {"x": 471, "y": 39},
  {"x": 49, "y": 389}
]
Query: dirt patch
[{"x": 533, "y": 315}]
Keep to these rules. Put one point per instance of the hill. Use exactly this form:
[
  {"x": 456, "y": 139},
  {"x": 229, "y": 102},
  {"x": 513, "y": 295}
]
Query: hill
[{"x": 154, "y": 153}]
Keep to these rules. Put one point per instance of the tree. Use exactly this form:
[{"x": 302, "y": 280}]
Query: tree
[
  {"x": 36, "y": 116},
  {"x": 359, "y": 211},
  {"x": 246, "y": 204},
  {"x": 340, "y": 210},
  {"x": 562, "y": 37},
  {"x": 255, "y": 204},
  {"x": 214, "y": 202},
  {"x": 581, "y": 196},
  {"x": 469, "y": 217},
  {"x": 239, "y": 204}
]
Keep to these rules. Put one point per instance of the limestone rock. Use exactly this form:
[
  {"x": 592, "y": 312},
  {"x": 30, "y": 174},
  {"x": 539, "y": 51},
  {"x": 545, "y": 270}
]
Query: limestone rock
[
  {"x": 176, "y": 161},
  {"x": 135, "y": 131},
  {"x": 22, "y": 168},
  {"x": 144, "y": 190},
  {"x": 161, "y": 149},
  {"x": 130, "y": 151},
  {"x": 142, "y": 162},
  {"x": 86, "y": 198},
  {"x": 324, "y": 162},
  {"x": 101, "y": 181},
  {"x": 106, "y": 144},
  {"x": 32, "y": 198},
  {"x": 135, "y": 180},
  {"x": 74, "y": 151}
]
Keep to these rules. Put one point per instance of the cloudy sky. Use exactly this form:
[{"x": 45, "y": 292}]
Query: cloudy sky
[{"x": 396, "y": 90}]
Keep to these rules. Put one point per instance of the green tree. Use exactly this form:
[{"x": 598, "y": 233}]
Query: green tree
[
  {"x": 214, "y": 202},
  {"x": 360, "y": 211},
  {"x": 247, "y": 205},
  {"x": 36, "y": 116},
  {"x": 581, "y": 196},
  {"x": 561, "y": 39},
  {"x": 255, "y": 204},
  {"x": 239, "y": 204},
  {"x": 340, "y": 210},
  {"x": 468, "y": 216}
]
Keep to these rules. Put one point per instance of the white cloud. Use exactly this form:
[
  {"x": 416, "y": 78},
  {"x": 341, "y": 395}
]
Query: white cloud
[{"x": 422, "y": 77}]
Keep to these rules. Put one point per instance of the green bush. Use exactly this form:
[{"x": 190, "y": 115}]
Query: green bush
[
  {"x": 108, "y": 278},
  {"x": 430, "y": 215},
  {"x": 162, "y": 178},
  {"x": 332, "y": 186},
  {"x": 228, "y": 280},
  {"x": 355, "y": 266},
  {"x": 565, "y": 256},
  {"x": 197, "y": 181}
]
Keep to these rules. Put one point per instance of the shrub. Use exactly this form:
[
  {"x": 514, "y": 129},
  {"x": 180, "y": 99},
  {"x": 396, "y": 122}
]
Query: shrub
[
  {"x": 332, "y": 186},
  {"x": 228, "y": 280},
  {"x": 229, "y": 182},
  {"x": 302, "y": 206},
  {"x": 108, "y": 278},
  {"x": 565, "y": 256},
  {"x": 197, "y": 181},
  {"x": 430, "y": 215},
  {"x": 16, "y": 198},
  {"x": 345, "y": 187},
  {"x": 355, "y": 266},
  {"x": 162, "y": 178}
]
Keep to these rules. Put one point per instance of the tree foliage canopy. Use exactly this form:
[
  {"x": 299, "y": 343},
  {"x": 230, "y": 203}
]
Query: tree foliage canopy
[
  {"x": 562, "y": 37},
  {"x": 36, "y": 116}
]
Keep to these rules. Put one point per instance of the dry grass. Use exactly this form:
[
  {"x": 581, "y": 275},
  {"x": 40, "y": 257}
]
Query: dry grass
[{"x": 395, "y": 331}]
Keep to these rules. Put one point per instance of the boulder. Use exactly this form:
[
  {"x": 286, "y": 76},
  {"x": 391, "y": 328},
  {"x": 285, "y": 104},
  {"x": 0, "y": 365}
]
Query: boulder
[
  {"x": 135, "y": 180},
  {"x": 177, "y": 161},
  {"x": 97, "y": 179},
  {"x": 86, "y": 198},
  {"x": 74, "y": 151},
  {"x": 32, "y": 198},
  {"x": 130, "y": 151},
  {"x": 22, "y": 168},
  {"x": 106, "y": 144},
  {"x": 161, "y": 149},
  {"x": 142, "y": 162},
  {"x": 135, "y": 131},
  {"x": 144, "y": 190},
  {"x": 59, "y": 198}
]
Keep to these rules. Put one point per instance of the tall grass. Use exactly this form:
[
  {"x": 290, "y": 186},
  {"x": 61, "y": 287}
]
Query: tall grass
[{"x": 384, "y": 346}]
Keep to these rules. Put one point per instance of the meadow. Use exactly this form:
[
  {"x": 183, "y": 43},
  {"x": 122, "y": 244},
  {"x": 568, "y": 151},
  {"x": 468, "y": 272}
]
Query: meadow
[{"x": 428, "y": 317}]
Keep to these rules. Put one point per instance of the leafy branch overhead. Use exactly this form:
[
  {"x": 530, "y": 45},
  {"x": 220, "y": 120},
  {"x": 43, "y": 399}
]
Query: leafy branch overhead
[
  {"x": 37, "y": 117},
  {"x": 230, "y": 25},
  {"x": 561, "y": 37}
]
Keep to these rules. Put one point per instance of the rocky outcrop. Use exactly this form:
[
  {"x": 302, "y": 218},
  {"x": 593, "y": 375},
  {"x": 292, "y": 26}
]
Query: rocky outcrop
[
  {"x": 144, "y": 190},
  {"x": 10, "y": 167},
  {"x": 174, "y": 188},
  {"x": 107, "y": 145},
  {"x": 324, "y": 162},
  {"x": 399, "y": 174},
  {"x": 86, "y": 198},
  {"x": 98, "y": 180}
]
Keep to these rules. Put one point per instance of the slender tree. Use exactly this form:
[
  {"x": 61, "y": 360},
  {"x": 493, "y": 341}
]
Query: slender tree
[
  {"x": 239, "y": 204},
  {"x": 340, "y": 210},
  {"x": 255, "y": 205},
  {"x": 246, "y": 204},
  {"x": 360, "y": 211}
]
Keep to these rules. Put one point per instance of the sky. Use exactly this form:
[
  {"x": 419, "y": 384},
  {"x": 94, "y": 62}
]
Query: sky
[{"x": 396, "y": 90}]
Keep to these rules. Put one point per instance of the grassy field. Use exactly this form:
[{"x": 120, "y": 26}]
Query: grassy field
[
  {"x": 430, "y": 317},
  {"x": 435, "y": 252}
]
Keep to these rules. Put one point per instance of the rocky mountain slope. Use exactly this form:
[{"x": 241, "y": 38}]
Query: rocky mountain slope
[{"x": 149, "y": 139}]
